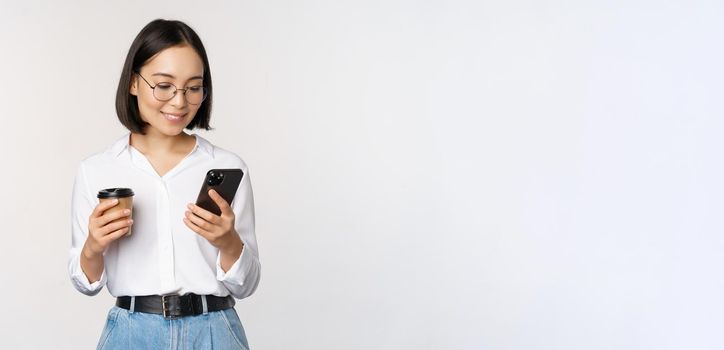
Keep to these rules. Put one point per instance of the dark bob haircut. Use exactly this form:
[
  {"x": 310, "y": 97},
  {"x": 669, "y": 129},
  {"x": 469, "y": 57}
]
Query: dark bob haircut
[{"x": 155, "y": 37}]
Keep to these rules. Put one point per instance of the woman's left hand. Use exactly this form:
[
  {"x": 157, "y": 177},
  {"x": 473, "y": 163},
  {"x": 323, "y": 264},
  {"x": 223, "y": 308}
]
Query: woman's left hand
[{"x": 218, "y": 230}]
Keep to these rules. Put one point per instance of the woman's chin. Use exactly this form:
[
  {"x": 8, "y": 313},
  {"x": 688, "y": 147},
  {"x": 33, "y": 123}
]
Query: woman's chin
[{"x": 165, "y": 130}]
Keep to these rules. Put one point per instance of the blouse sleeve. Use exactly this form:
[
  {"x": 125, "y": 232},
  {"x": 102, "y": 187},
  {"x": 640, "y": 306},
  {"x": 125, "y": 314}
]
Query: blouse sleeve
[{"x": 82, "y": 205}]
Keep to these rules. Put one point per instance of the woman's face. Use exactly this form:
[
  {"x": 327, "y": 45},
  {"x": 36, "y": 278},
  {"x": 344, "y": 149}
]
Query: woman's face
[{"x": 180, "y": 66}]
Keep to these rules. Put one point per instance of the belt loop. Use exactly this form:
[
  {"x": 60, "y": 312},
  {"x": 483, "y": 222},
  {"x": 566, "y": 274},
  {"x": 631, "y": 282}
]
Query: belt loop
[
  {"x": 205, "y": 304},
  {"x": 133, "y": 305}
]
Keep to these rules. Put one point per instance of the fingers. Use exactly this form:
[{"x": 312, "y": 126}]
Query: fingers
[
  {"x": 199, "y": 221},
  {"x": 105, "y": 227},
  {"x": 203, "y": 213},
  {"x": 206, "y": 234},
  {"x": 116, "y": 234},
  {"x": 225, "y": 209},
  {"x": 99, "y": 237},
  {"x": 114, "y": 226},
  {"x": 103, "y": 206},
  {"x": 110, "y": 217}
]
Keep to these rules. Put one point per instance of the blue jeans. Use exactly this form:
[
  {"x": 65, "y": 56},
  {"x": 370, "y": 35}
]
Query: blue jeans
[{"x": 137, "y": 330}]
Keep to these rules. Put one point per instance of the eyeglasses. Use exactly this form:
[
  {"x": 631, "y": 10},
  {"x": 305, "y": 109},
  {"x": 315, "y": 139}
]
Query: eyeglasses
[{"x": 166, "y": 91}]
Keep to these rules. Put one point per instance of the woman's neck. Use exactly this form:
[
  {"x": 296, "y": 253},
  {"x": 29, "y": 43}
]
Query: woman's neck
[{"x": 157, "y": 143}]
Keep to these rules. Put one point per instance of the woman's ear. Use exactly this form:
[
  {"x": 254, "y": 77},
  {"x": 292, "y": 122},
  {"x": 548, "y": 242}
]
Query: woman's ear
[{"x": 134, "y": 86}]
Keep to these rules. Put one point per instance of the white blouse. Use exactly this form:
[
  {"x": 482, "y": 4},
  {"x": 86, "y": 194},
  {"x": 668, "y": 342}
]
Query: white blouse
[{"x": 162, "y": 255}]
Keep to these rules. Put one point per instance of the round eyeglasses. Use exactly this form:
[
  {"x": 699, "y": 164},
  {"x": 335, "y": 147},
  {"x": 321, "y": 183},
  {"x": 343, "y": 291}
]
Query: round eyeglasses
[{"x": 166, "y": 91}]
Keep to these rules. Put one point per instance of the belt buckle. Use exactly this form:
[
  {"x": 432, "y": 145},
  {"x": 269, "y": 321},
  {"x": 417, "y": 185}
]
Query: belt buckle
[{"x": 169, "y": 312}]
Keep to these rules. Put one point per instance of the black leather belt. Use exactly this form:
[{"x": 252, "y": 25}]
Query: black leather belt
[{"x": 175, "y": 306}]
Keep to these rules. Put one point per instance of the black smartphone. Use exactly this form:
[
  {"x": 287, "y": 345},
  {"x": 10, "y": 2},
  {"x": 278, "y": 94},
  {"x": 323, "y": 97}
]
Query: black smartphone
[{"x": 224, "y": 182}]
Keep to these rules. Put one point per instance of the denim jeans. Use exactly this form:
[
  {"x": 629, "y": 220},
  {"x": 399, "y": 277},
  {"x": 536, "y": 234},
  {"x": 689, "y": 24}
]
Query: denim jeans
[{"x": 137, "y": 330}]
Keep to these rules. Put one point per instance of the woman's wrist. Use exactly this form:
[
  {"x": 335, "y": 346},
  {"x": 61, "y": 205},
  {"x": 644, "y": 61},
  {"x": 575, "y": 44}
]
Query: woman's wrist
[
  {"x": 90, "y": 253},
  {"x": 233, "y": 248},
  {"x": 231, "y": 253}
]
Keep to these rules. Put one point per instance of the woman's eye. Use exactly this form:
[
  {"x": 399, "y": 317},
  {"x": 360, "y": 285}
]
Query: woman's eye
[
  {"x": 164, "y": 86},
  {"x": 196, "y": 88}
]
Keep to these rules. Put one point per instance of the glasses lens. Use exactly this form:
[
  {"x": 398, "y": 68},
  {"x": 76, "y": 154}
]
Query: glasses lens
[
  {"x": 164, "y": 92},
  {"x": 195, "y": 94}
]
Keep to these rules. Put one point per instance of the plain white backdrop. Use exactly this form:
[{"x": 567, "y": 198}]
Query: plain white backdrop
[{"x": 428, "y": 174}]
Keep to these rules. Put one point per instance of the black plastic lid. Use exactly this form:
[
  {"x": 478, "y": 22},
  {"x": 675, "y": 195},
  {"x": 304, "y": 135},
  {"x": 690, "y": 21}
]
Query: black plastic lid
[{"x": 115, "y": 193}]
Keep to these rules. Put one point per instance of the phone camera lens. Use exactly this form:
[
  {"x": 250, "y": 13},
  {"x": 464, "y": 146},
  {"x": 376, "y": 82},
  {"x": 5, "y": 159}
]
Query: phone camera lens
[{"x": 214, "y": 178}]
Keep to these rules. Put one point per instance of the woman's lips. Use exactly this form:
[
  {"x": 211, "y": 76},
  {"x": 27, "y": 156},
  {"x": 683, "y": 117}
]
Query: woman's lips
[{"x": 174, "y": 118}]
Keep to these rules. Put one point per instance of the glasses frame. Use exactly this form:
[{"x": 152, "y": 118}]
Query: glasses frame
[{"x": 176, "y": 89}]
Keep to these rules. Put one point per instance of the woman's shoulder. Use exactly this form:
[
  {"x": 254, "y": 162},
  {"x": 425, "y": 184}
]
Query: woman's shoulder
[
  {"x": 222, "y": 155},
  {"x": 107, "y": 154}
]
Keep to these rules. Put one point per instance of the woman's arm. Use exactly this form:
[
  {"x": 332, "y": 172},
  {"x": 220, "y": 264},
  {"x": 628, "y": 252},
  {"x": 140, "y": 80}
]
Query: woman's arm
[
  {"x": 92, "y": 233},
  {"x": 242, "y": 278},
  {"x": 82, "y": 204},
  {"x": 233, "y": 234}
]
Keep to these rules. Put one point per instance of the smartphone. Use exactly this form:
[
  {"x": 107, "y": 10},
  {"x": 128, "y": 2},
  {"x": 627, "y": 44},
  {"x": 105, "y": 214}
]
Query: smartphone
[{"x": 224, "y": 182}]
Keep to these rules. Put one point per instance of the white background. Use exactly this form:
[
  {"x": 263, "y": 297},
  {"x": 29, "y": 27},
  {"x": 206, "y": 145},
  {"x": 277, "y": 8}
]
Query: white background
[{"x": 428, "y": 174}]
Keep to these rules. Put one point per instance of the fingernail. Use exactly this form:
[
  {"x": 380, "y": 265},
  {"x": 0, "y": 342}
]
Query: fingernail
[
  {"x": 130, "y": 222},
  {"x": 115, "y": 201},
  {"x": 127, "y": 211},
  {"x": 190, "y": 206}
]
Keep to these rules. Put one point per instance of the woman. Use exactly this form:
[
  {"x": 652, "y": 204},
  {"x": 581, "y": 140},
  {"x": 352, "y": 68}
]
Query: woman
[{"x": 176, "y": 276}]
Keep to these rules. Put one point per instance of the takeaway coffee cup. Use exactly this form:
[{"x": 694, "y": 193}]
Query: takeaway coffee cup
[{"x": 125, "y": 201}]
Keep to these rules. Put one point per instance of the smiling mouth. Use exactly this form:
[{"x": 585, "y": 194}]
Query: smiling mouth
[{"x": 173, "y": 117}]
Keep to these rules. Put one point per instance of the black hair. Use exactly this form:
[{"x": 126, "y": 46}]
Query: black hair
[{"x": 155, "y": 37}]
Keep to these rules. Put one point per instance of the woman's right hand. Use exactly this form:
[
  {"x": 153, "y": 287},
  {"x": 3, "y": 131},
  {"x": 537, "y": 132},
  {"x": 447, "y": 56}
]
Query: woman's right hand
[{"x": 102, "y": 230}]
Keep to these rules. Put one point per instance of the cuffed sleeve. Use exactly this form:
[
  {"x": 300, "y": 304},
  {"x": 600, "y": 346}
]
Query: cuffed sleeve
[
  {"x": 82, "y": 205},
  {"x": 243, "y": 277},
  {"x": 80, "y": 280}
]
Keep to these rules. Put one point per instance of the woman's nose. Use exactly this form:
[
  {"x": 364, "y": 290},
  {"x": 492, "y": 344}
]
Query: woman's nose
[{"x": 179, "y": 99}]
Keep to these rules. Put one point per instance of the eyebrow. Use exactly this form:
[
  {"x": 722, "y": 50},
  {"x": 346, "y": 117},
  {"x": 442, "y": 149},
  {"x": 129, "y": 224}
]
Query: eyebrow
[{"x": 172, "y": 77}]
